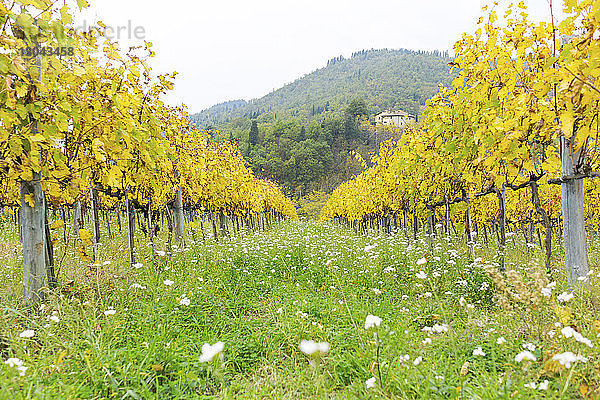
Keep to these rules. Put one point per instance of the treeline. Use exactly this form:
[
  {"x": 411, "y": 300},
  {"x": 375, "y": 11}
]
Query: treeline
[{"x": 306, "y": 157}]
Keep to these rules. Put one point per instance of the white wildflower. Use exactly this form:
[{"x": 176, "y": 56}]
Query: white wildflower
[
  {"x": 564, "y": 296},
  {"x": 137, "y": 286},
  {"x": 27, "y": 334},
  {"x": 529, "y": 346},
  {"x": 421, "y": 275},
  {"x": 525, "y": 355},
  {"x": 568, "y": 358},
  {"x": 310, "y": 347},
  {"x": 13, "y": 362},
  {"x": 18, "y": 364},
  {"x": 209, "y": 352},
  {"x": 370, "y": 383},
  {"x": 185, "y": 301},
  {"x": 568, "y": 332},
  {"x": 479, "y": 352},
  {"x": 372, "y": 321},
  {"x": 436, "y": 328},
  {"x": 544, "y": 385}
]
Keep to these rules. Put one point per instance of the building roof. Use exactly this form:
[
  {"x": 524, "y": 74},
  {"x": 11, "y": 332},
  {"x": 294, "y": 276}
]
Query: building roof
[{"x": 394, "y": 114}]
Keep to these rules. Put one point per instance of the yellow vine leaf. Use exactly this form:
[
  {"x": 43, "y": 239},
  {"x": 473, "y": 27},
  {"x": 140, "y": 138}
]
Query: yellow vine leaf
[
  {"x": 86, "y": 237},
  {"x": 82, "y": 253},
  {"x": 30, "y": 199},
  {"x": 57, "y": 224},
  {"x": 584, "y": 389}
]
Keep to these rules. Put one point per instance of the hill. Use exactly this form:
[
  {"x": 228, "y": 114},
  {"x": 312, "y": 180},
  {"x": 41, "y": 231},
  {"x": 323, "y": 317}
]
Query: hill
[
  {"x": 218, "y": 113},
  {"x": 386, "y": 79},
  {"x": 305, "y": 134}
]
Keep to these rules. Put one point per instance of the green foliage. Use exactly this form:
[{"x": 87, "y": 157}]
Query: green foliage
[
  {"x": 304, "y": 158},
  {"x": 253, "y": 135},
  {"x": 357, "y": 108},
  {"x": 310, "y": 205},
  {"x": 217, "y": 113}
]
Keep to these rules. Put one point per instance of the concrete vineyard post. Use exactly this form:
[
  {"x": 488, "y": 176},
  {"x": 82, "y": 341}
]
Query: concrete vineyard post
[
  {"x": 573, "y": 217},
  {"x": 179, "y": 219},
  {"x": 130, "y": 230}
]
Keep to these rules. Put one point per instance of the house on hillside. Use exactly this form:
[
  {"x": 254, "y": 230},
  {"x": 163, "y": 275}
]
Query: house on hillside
[{"x": 398, "y": 118}]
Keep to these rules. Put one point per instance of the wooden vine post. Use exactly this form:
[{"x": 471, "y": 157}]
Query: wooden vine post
[
  {"x": 77, "y": 219},
  {"x": 95, "y": 220},
  {"x": 545, "y": 221},
  {"x": 33, "y": 228},
  {"x": 500, "y": 193},
  {"x": 33, "y": 223}
]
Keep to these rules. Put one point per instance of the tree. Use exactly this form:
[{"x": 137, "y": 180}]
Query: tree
[
  {"x": 302, "y": 135},
  {"x": 356, "y": 109},
  {"x": 253, "y": 136}
]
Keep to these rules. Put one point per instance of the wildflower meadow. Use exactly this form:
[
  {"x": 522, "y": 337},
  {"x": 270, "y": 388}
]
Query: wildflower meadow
[{"x": 304, "y": 310}]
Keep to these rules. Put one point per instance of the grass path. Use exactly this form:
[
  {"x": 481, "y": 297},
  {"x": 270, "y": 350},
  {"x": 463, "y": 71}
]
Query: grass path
[{"x": 121, "y": 332}]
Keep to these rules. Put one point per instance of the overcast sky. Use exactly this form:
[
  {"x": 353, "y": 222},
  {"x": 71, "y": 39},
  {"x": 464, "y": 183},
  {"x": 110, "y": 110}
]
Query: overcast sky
[{"x": 242, "y": 49}]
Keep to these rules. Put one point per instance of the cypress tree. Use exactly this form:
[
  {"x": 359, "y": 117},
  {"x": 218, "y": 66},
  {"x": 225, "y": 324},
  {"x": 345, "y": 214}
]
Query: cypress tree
[
  {"x": 253, "y": 136},
  {"x": 302, "y": 135}
]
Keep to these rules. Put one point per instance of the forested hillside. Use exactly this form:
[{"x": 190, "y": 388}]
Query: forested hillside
[
  {"x": 218, "y": 113},
  {"x": 399, "y": 79},
  {"x": 304, "y": 134}
]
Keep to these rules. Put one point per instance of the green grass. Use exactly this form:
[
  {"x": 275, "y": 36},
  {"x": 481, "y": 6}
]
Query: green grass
[{"x": 261, "y": 294}]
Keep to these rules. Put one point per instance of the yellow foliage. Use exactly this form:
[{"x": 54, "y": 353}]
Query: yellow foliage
[
  {"x": 57, "y": 224},
  {"x": 86, "y": 237}
]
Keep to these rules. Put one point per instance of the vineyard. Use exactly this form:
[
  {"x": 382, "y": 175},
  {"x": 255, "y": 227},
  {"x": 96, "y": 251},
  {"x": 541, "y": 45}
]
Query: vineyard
[
  {"x": 509, "y": 145},
  {"x": 143, "y": 259},
  {"x": 91, "y": 132}
]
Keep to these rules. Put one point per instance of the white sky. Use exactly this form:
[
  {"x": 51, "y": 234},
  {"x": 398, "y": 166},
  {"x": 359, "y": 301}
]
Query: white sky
[{"x": 232, "y": 49}]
